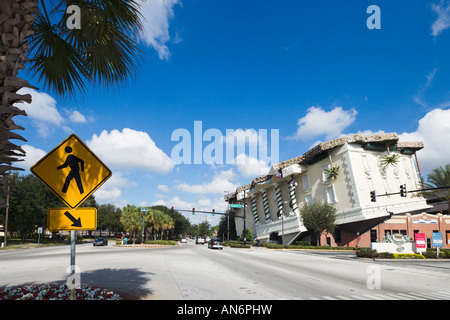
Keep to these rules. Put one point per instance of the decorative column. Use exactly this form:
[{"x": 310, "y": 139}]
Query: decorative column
[
  {"x": 255, "y": 209},
  {"x": 279, "y": 200},
  {"x": 266, "y": 205},
  {"x": 292, "y": 186}
]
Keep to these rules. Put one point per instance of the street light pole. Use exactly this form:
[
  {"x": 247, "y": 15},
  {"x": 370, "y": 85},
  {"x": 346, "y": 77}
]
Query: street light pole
[
  {"x": 245, "y": 236},
  {"x": 228, "y": 219},
  {"x": 143, "y": 211}
]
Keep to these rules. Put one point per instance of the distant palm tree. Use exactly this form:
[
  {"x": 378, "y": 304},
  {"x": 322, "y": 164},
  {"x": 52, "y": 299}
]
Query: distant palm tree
[
  {"x": 131, "y": 220},
  {"x": 439, "y": 177},
  {"x": 103, "y": 51}
]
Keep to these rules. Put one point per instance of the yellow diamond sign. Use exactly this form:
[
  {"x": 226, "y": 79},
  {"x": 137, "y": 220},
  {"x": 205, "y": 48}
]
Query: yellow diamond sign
[
  {"x": 72, "y": 171},
  {"x": 65, "y": 219}
]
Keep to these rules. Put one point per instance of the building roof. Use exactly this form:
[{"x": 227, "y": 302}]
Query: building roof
[{"x": 321, "y": 150}]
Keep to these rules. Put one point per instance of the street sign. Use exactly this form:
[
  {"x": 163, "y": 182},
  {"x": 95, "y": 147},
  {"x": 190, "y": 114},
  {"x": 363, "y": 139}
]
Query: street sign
[
  {"x": 235, "y": 206},
  {"x": 437, "y": 239},
  {"x": 421, "y": 241},
  {"x": 65, "y": 219},
  {"x": 72, "y": 171}
]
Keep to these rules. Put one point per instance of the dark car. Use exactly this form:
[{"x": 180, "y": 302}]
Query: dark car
[
  {"x": 216, "y": 243},
  {"x": 101, "y": 241}
]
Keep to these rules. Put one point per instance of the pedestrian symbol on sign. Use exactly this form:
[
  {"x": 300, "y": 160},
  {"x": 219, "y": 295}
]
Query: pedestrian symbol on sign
[{"x": 72, "y": 161}]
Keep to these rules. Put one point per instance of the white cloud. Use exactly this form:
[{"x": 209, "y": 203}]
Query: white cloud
[
  {"x": 220, "y": 183},
  {"x": 111, "y": 190},
  {"x": 76, "y": 116},
  {"x": 163, "y": 188},
  {"x": 42, "y": 107},
  {"x": 157, "y": 14},
  {"x": 442, "y": 22},
  {"x": 251, "y": 167},
  {"x": 318, "y": 122},
  {"x": 419, "y": 97},
  {"x": 130, "y": 149},
  {"x": 32, "y": 155},
  {"x": 44, "y": 113},
  {"x": 434, "y": 131}
]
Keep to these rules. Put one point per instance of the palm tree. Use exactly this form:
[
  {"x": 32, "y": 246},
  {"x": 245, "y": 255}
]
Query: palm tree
[
  {"x": 169, "y": 226},
  {"x": 103, "y": 51},
  {"x": 149, "y": 221},
  {"x": 131, "y": 220},
  {"x": 439, "y": 177},
  {"x": 159, "y": 222}
]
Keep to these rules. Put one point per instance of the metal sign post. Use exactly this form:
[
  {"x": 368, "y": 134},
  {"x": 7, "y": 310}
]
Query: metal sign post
[
  {"x": 437, "y": 241},
  {"x": 39, "y": 235},
  {"x": 72, "y": 263}
]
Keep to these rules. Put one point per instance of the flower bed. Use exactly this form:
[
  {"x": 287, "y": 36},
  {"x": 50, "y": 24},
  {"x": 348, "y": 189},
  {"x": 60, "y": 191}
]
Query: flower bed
[
  {"x": 143, "y": 245},
  {"x": 56, "y": 292}
]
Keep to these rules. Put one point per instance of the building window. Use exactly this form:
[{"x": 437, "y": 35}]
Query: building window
[
  {"x": 330, "y": 195},
  {"x": 309, "y": 199},
  {"x": 366, "y": 164},
  {"x": 370, "y": 182},
  {"x": 305, "y": 182},
  {"x": 373, "y": 235},
  {"x": 386, "y": 185},
  {"x": 324, "y": 173},
  {"x": 337, "y": 235}
]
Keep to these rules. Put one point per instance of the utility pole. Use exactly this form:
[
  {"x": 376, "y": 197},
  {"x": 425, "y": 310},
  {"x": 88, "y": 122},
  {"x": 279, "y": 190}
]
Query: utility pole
[
  {"x": 228, "y": 220},
  {"x": 245, "y": 236},
  {"x": 7, "y": 207}
]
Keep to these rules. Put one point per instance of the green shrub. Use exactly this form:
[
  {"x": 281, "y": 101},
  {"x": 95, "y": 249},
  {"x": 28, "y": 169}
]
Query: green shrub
[
  {"x": 235, "y": 244},
  {"x": 445, "y": 253},
  {"x": 367, "y": 253},
  {"x": 165, "y": 242},
  {"x": 385, "y": 255}
]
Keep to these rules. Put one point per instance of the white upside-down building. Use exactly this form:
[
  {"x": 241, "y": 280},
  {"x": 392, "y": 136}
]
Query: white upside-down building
[{"x": 273, "y": 201}]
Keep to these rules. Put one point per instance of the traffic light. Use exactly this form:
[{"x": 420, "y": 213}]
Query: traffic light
[
  {"x": 403, "y": 191},
  {"x": 193, "y": 211},
  {"x": 373, "y": 196},
  {"x": 171, "y": 210},
  {"x": 214, "y": 212}
]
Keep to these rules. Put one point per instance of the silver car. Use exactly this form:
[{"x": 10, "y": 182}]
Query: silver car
[{"x": 200, "y": 240}]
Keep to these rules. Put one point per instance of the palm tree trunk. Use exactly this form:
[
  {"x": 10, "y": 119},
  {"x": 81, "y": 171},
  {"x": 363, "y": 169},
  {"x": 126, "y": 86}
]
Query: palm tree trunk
[{"x": 16, "y": 18}]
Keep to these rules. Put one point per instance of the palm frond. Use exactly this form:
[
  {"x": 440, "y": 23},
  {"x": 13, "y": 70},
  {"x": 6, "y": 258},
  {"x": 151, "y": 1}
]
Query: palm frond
[
  {"x": 107, "y": 38},
  {"x": 103, "y": 51},
  {"x": 57, "y": 63}
]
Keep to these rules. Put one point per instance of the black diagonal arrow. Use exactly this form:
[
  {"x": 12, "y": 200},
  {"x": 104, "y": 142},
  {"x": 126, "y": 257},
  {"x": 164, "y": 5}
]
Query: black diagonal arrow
[{"x": 76, "y": 222}]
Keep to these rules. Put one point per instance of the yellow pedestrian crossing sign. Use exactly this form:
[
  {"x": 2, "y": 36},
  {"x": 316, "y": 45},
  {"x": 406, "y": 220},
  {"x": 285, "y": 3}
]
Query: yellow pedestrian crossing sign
[{"x": 72, "y": 171}]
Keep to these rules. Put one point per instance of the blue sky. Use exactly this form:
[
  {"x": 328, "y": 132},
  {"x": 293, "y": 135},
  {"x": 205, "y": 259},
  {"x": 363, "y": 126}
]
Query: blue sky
[{"x": 310, "y": 69}]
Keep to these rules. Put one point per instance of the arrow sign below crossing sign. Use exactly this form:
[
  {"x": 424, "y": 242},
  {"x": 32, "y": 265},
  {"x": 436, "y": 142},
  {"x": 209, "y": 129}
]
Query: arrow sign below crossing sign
[
  {"x": 65, "y": 219},
  {"x": 72, "y": 171}
]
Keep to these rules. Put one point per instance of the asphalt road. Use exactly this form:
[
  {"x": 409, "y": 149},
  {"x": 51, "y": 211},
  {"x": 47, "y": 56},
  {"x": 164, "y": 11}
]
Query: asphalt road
[{"x": 195, "y": 272}]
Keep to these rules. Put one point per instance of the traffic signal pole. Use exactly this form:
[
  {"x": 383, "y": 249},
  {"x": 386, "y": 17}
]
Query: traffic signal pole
[
  {"x": 403, "y": 192},
  {"x": 210, "y": 212}
]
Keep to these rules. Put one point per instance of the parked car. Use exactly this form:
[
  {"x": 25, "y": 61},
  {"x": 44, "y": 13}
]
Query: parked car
[
  {"x": 200, "y": 240},
  {"x": 183, "y": 240},
  {"x": 216, "y": 243},
  {"x": 101, "y": 241}
]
